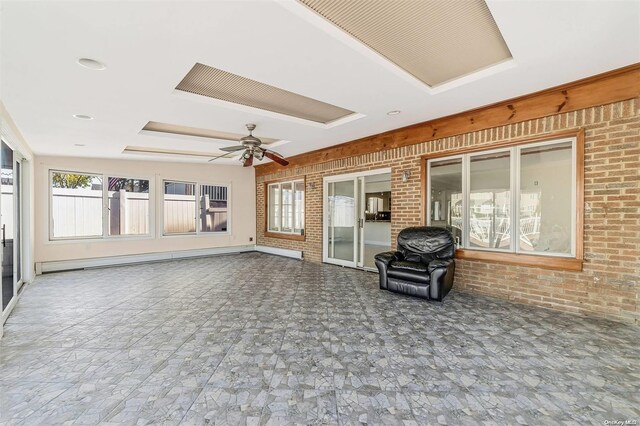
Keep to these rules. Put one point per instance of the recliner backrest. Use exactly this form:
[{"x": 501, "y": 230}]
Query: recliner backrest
[{"x": 426, "y": 243}]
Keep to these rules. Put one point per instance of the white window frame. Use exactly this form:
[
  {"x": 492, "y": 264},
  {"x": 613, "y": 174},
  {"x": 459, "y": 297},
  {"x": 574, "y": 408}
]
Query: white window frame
[
  {"x": 515, "y": 153},
  {"x": 293, "y": 202},
  {"x": 105, "y": 207}
]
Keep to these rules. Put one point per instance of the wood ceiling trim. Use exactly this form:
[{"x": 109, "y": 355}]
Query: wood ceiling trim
[{"x": 613, "y": 86}]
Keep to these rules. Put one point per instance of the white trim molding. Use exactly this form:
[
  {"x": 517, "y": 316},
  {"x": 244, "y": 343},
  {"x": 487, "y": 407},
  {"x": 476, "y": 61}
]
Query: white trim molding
[
  {"x": 295, "y": 254},
  {"x": 97, "y": 262}
]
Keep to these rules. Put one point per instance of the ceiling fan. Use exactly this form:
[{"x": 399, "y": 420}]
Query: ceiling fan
[{"x": 252, "y": 149}]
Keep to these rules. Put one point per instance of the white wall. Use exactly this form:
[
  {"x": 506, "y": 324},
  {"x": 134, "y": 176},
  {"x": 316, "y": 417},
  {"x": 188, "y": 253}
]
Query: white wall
[{"x": 241, "y": 181}]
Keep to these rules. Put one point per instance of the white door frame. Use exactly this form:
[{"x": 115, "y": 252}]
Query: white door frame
[
  {"x": 18, "y": 233},
  {"x": 358, "y": 246}
]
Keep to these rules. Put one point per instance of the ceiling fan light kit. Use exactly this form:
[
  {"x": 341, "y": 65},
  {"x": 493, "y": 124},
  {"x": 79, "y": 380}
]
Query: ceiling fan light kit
[{"x": 252, "y": 149}]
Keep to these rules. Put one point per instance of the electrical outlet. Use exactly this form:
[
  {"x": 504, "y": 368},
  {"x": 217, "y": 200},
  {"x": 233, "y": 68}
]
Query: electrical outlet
[{"x": 250, "y": 239}]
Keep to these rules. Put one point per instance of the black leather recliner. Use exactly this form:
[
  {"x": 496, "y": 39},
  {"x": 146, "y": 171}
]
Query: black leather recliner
[{"x": 423, "y": 265}]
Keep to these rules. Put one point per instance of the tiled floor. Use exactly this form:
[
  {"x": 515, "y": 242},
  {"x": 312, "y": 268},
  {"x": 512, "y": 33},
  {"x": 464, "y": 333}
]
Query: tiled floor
[{"x": 255, "y": 338}]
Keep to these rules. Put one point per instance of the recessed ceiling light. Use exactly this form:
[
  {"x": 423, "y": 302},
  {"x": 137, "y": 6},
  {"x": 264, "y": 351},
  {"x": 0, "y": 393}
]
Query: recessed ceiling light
[
  {"x": 79, "y": 144},
  {"x": 394, "y": 112},
  {"x": 92, "y": 64},
  {"x": 83, "y": 116}
]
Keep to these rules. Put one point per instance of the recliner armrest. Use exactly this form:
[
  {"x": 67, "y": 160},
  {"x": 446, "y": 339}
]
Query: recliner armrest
[
  {"x": 388, "y": 257},
  {"x": 438, "y": 263}
]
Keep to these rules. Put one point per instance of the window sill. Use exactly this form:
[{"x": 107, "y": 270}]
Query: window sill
[
  {"x": 516, "y": 259},
  {"x": 294, "y": 237}
]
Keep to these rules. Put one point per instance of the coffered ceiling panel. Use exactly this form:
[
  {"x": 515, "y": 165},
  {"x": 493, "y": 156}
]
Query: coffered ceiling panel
[
  {"x": 215, "y": 83},
  {"x": 435, "y": 41}
]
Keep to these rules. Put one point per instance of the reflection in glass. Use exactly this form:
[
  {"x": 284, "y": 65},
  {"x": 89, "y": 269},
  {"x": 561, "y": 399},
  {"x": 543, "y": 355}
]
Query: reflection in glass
[
  {"x": 299, "y": 210},
  {"x": 545, "y": 199},
  {"x": 9, "y": 222},
  {"x": 342, "y": 220},
  {"x": 274, "y": 207},
  {"x": 490, "y": 201},
  {"x": 446, "y": 196},
  {"x": 287, "y": 207}
]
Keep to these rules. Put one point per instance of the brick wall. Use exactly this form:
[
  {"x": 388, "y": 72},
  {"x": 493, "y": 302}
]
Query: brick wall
[{"x": 609, "y": 284}]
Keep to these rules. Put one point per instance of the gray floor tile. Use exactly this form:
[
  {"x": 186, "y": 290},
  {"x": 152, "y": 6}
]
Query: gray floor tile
[{"x": 259, "y": 339}]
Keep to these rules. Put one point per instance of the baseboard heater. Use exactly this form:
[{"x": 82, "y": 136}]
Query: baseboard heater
[{"x": 98, "y": 262}]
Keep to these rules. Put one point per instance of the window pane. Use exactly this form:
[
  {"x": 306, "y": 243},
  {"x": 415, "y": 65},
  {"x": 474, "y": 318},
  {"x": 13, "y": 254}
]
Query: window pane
[
  {"x": 446, "y": 196},
  {"x": 341, "y": 220},
  {"x": 76, "y": 205},
  {"x": 213, "y": 208},
  {"x": 287, "y": 206},
  {"x": 128, "y": 212},
  {"x": 299, "y": 213},
  {"x": 546, "y": 199},
  {"x": 274, "y": 208},
  {"x": 179, "y": 208},
  {"x": 490, "y": 201}
]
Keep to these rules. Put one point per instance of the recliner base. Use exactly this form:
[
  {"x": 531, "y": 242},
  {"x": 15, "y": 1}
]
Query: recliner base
[{"x": 407, "y": 287}]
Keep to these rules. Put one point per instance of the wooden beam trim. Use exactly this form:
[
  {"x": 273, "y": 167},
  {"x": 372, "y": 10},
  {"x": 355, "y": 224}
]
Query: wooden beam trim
[{"x": 613, "y": 86}]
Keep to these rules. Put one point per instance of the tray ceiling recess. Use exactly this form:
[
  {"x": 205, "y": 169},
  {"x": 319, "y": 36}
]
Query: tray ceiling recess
[
  {"x": 175, "y": 129},
  {"x": 170, "y": 152},
  {"x": 218, "y": 84},
  {"x": 435, "y": 41}
]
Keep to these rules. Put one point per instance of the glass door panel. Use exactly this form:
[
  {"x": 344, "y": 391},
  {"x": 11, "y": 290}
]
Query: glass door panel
[
  {"x": 18, "y": 215},
  {"x": 7, "y": 224},
  {"x": 342, "y": 222}
]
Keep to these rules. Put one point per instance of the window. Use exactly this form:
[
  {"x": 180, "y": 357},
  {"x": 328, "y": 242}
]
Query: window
[
  {"x": 81, "y": 205},
  {"x": 179, "y": 207},
  {"x": 128, "y": 206},
  {"x": 76, "y": 205},
  {"x": 286, "y": 207},
  {"x": 520, "y": 199},
  {"x": 186, "y": 213},
  {"x": 213, "y": 208},
  {"x": 490, "y": 201}
]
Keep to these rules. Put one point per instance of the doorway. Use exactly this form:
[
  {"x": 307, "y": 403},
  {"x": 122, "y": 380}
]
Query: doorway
[
  {"x": 10, "y": 229},
  {"x": 357, "y": 218}
]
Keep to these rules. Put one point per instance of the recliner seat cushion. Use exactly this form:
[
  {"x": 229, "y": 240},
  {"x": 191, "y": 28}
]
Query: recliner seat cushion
[{"x": 410, "y": 271}]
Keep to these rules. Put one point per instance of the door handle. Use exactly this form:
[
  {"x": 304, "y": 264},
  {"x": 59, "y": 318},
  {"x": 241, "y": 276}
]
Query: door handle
[
  {"x": 361, "y": 223},
  {"x": 4, "y": 235}
]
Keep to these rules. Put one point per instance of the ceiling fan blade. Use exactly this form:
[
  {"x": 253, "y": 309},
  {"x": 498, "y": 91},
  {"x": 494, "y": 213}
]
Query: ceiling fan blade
[
  {"x": 248, "y": 161},
  {"x": 219, "y": 156},
  {"x": 233, "y": 148},
  {"x": 275, "y": 157}
]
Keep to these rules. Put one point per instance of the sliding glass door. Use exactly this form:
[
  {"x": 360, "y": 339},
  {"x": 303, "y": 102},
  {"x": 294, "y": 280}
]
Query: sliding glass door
[
  {"x": 354, "y": 232},
  {"x": 10, "y": 174}
]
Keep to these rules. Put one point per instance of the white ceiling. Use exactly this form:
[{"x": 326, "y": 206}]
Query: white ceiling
[{"x": 148, "y": 48}]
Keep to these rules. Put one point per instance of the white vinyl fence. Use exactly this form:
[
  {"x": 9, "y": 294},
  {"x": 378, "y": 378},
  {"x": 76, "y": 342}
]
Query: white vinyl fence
[
  {"x": 128, "y": 213},
  {"x": 78, "y": 213},
  {"x": 179, "y": 214}
]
